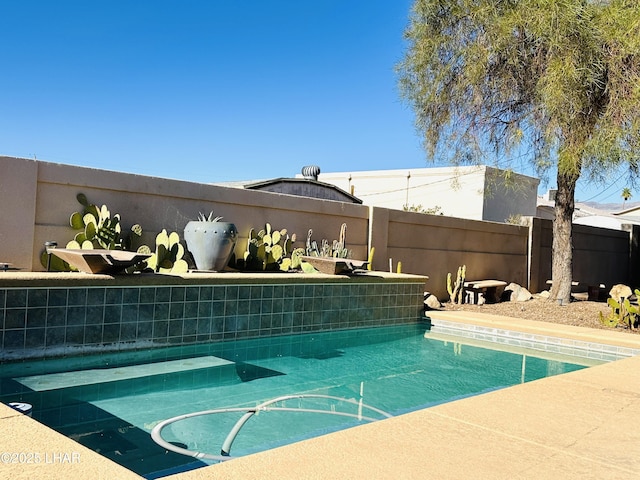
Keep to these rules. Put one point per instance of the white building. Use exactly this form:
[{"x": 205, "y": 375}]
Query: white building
[
  {"x": 473, "y": 192},
  {"x": 588, "y": 214}
]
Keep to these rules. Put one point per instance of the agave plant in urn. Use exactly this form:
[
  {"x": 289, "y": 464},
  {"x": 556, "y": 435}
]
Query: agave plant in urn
[{"x": 210, "y": 241}]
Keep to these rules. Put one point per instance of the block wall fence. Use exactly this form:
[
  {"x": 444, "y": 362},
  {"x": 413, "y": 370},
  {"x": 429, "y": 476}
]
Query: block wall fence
[{"x": 38, "y": 197}]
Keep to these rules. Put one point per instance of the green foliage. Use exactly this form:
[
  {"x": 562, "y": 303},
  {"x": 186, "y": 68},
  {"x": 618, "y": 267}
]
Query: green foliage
[
  {"x": 549, "y": 82},
  {"x": 420, "y": 209},
  {"x": 456, "y": 289},
  {"x": 626, "y": 195},
  {"x": 514, "y": 219},
  {"x": 549, "y": 76},
  {"x": 271, "y": 250},
  {"x": 167, "y": 257},
  {"x": 623, "y": 312}
]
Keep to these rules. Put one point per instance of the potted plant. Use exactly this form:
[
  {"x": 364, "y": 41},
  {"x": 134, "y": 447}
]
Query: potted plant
[{"x": 210, "y": 241}]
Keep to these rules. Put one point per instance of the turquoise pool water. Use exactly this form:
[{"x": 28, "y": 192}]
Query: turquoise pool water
[{"x": 111, "y": 403}]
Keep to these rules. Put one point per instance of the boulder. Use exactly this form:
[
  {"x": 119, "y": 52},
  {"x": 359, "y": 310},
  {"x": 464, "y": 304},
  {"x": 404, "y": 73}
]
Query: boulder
[
  {"x": 431, "y": 302},
  {"x": 620, "y": 291},
  {"x": 517, "y": 293}
]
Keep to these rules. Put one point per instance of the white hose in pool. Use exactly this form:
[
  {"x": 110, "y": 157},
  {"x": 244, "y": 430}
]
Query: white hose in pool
[{"x": 156, "y": 433}]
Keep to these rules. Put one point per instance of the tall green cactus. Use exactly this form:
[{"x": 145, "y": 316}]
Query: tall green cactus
[
  {"x": 336, "y": 249},
  {"x": 372, "y": 251},
  {"x": 456, "y": 289}
]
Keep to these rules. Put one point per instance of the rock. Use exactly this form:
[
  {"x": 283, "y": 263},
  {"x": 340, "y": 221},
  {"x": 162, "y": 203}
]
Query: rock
[
  {"x": 517, "y": 293},
  {"x": 431, "y": 302},
  {"x": 620, "y": 291}
]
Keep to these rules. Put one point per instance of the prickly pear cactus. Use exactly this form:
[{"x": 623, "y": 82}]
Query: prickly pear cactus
[
  {"x": 168, "y": 255},
  {"x": 97, "y": 226},
  {"x": 269, "y": 250},
  {"x": 623, "y": 312},
  {"x": 97, "y": 229}
]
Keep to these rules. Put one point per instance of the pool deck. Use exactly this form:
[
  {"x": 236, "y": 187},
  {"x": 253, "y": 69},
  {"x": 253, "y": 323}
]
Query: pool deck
[{"x": 580, "y": 425}]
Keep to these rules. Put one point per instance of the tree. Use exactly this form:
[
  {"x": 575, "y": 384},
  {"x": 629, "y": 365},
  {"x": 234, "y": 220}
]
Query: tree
[
  {"x": 626, "y": 195},
  {"x": 553, "y": 83},
  {"x": 437, "y": 210}
]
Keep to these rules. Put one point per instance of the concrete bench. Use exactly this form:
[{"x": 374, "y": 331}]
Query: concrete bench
[
  {"x": 482, "y": 291},
  {"x": 586, "y": 291}
]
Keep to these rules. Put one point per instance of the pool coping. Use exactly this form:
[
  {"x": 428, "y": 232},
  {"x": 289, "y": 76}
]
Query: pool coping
[
  {"x": 593, "y": 344},
  {"x": 575, "y": 425},
  {"x": 79, "y": 279}
]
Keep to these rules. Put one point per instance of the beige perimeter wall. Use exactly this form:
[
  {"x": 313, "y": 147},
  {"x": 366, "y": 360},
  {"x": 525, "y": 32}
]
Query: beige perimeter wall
[
  {"x": 600, "y": 255},
  {"x": 38, "y": 197}
]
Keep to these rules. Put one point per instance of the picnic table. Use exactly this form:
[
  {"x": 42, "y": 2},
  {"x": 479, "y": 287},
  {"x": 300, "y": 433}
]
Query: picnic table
[{"x": 482, "y": 291}]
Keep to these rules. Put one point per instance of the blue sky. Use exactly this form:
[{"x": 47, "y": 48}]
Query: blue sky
[{"x": 210, "y": 91}]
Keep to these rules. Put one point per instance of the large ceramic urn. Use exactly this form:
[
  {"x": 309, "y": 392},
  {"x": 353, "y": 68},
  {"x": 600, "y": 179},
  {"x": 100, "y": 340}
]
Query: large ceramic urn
[{"x": 210, "y": 243}]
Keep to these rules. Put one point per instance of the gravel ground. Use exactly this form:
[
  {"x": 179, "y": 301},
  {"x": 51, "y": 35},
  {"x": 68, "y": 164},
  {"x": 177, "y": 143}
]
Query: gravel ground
[{"x": 582, "y": 313}]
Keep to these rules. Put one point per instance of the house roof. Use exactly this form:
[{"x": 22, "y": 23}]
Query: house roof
[
  {"x": 588, "y": 214},
  {"x": 306, "y": 187},
  {"x": 632, "y": 210}
]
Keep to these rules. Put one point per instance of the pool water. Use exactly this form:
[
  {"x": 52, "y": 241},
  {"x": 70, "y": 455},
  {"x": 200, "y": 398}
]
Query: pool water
[{"x": 112, "y": 402}]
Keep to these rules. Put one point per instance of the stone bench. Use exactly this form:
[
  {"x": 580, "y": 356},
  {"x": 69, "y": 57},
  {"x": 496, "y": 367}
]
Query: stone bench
[
  {"x": 586, "y": 291},
  {"x": 482, "y": 291}
]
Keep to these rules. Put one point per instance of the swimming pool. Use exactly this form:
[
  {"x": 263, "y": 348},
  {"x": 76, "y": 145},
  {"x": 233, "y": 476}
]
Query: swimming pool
[{"x": 111, "y": 403}]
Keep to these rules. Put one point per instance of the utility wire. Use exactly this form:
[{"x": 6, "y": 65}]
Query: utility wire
[
  {"x": 615, "y": 182},
  {"x": 404, "y": 189}
]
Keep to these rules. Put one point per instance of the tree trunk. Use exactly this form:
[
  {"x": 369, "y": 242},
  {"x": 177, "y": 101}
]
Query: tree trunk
[{"x": 562, "y": 251}]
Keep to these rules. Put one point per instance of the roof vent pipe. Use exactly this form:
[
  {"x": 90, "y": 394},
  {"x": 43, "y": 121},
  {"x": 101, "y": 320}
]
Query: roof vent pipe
[{"x": 311, "y": 172}]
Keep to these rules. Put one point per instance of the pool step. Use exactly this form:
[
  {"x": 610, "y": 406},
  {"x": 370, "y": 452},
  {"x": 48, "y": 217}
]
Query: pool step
[{"x": 41, "y": 383}]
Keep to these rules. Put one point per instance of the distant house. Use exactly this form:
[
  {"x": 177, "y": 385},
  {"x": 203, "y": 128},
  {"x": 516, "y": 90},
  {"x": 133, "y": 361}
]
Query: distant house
[
  {"x": 473, "y": 192},
  {"x": 631, "y": 215},
  {"x": 602, "y": 216},
  {"x": 302, "y": 186}
]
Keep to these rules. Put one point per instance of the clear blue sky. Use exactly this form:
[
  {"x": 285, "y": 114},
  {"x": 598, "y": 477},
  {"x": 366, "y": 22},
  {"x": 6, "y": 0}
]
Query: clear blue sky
[{"x": 210, "y": 90}]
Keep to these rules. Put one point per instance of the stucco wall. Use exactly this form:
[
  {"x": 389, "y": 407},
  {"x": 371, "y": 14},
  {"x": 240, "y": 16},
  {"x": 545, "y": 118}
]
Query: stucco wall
[
  {"x": 18, "y": 193},
  {"x": 436, "y": 245},
  {"x": 600, "y": 255},
  {"x": 38, "y": 197},
  {"x": 44, "y": 204}
]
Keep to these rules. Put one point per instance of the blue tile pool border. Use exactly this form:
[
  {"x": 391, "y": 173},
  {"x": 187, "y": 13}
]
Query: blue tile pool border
[{"x": 39, "y": 322}]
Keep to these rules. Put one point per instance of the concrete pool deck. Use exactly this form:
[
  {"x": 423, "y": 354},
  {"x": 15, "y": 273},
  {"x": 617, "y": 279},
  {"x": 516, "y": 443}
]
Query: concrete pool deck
[{"x": 583, "y": 424}]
